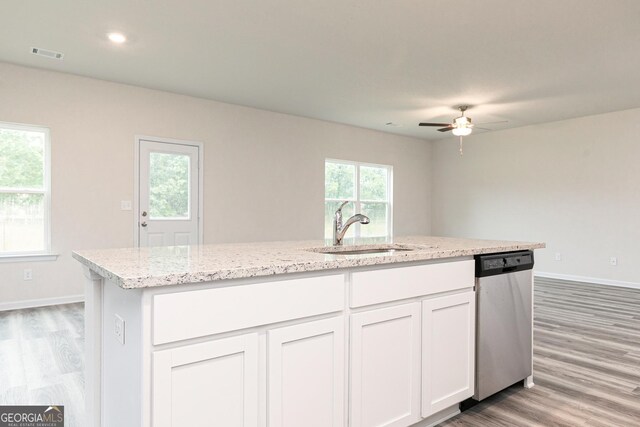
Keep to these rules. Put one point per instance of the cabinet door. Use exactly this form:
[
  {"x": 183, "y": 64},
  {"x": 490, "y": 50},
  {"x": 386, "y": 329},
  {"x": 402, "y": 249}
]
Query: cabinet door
[
  {"x": 385, "y": 366},
  {"x": 306, "y": 370},
  {"x": 448, "y": 349},
  {"x": 213, "y": 383}
]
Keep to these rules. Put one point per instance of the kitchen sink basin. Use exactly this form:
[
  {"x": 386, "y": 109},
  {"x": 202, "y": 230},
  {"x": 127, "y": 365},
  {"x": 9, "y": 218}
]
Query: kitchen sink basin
[
  {"x": 366, "y": 251},
  {"x": 386, "y": 249}
]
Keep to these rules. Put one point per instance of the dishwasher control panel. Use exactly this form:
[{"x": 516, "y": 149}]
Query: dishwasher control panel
[{"x": 492, "y": 264}]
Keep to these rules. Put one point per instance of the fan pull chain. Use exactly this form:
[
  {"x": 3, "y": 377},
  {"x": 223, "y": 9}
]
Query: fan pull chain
[{"x": 461, "y": 152}]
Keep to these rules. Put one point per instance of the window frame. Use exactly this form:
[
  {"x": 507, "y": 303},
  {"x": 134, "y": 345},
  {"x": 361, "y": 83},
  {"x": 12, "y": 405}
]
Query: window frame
[
  {"x": 44, "y": 254},
  {"x": 358, "y": 201}
]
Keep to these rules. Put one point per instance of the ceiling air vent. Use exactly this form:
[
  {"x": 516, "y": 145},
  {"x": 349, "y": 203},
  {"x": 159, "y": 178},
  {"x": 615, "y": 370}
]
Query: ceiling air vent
[{"x": 47, "y": 53}]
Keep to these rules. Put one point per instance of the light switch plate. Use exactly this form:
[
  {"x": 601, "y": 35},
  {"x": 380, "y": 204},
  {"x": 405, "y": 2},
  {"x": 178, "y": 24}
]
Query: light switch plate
[{"x": 125, "y": 205}]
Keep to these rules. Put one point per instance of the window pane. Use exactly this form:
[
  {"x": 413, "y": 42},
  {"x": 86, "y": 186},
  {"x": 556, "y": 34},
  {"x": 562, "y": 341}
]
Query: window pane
[
  {"x": 21, "y": 159},
  {"x": 377, "y": 213},
  {"x": 21, "y": 222},
  {"x": 339, "y": 181},
  {"x": 373, "y": 183},
  {"x": 329, "y": 210},
  {"x": 168, "y": 186}
]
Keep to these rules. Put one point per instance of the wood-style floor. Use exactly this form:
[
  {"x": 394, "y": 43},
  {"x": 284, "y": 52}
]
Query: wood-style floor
[
  {"x": 42, "y": 358},
  {"x": 586, "y": 362}
]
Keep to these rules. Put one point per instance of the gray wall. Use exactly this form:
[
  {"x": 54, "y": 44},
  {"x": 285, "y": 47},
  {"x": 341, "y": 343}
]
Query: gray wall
[
  {"x": 574, "y": 184},
  {"x": 264, "y": 171}
]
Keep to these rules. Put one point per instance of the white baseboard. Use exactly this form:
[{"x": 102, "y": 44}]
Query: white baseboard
[
  {"x": 41, "y": 302},
  {"x": 595, "y": 280}
]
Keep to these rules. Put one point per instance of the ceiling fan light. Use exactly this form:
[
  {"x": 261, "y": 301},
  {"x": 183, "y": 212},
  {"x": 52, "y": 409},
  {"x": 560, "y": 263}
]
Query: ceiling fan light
[
  {"x": 462, "y": 121},
  {"x": 117, "y": 38},
  {"x": 461, "y": 131}
]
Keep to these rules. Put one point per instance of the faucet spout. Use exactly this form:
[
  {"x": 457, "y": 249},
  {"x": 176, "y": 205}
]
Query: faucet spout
[
  {"x": 340, "y": 230},
  {"x": 362, "y": 219}
]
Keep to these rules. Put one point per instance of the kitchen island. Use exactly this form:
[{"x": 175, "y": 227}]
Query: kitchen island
[{"x": 281, "y": 333}]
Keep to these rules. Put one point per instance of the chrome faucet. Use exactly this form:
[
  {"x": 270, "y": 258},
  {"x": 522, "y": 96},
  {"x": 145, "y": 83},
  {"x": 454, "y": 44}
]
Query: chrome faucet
[{"x": 340, "y": 230}]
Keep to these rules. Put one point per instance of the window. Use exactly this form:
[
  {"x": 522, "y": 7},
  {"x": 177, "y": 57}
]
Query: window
[
  {"x": 367, "y": 187},
  {"x": 24, "y": 190},
  {"x": 169, "y": 186}
]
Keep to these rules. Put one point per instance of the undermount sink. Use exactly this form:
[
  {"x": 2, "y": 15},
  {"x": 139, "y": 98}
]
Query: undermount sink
[
  {"x": 388, "y": 249},
  {"x": 365, "y": 251}
]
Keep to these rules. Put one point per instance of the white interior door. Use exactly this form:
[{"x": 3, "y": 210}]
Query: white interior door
[{"x": 169, "y": 193}]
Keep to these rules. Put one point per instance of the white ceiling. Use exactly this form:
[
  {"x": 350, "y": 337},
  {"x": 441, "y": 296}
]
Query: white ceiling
[{"x": 358, "y": 62}]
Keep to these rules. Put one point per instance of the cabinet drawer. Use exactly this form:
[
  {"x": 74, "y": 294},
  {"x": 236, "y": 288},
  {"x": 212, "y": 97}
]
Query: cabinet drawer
[
  {"x": 184, "y": 315},
  {"x": 377, "y": 286}
]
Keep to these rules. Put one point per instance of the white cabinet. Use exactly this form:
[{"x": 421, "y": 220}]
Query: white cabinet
[
  {"x": 412, "y": 360},
  {"x": 217, "y": 382},
  {"x": 212, "y": 383},
  {"x": 385, "y": 367},
  {"x": 383, "y": 347},
  {"x": 448, "y": 351},
  {"x": 306, "y": 374}
]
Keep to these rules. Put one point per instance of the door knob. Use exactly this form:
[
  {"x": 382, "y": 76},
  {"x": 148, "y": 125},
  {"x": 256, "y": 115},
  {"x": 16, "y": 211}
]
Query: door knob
[{"x": 143, "y": 224}]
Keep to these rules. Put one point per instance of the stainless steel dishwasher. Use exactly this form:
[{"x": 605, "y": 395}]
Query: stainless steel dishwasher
[{"x": 504, "y": 322}]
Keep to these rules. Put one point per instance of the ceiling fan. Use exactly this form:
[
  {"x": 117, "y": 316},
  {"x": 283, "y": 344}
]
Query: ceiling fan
[{"x": 461, "y": 126}]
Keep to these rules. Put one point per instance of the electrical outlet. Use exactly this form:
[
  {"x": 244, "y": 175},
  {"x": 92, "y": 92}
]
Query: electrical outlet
[
  {"x": 118, "y": 329},
  {"x": 27, "y": 274},
  {"x": 613, "y": 260},
  {"x": 558, "y": 256},
  {"x": 125, "y": 205}
]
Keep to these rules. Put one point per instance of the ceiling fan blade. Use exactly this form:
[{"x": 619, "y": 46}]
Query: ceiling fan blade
[
  {"x": 434, "y": 124},
  {"x": 476, "y": 127},
  {"x": 448, "y": 128}
]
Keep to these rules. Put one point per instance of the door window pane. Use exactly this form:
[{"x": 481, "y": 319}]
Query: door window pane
[
  {"x": 340, "y": 181},
  {"x": 22, "y": 222},
  {"x": 169, "y": 186}
]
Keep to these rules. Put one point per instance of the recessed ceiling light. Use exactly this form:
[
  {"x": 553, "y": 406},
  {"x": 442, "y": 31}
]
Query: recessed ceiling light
[{"x": 117, "y": 37}]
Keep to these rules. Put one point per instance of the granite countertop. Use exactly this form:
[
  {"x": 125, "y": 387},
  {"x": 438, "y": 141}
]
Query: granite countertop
[{"x": 132, "y": 268}]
